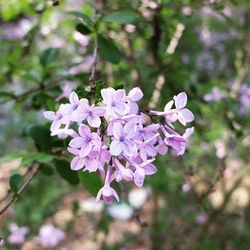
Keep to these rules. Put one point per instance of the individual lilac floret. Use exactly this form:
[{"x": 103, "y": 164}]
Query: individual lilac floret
[
  {"x": 122, "y": 142},
  {"x": 184, "y": 115},
  {"x": 114, "y": 101},
  {"x": 17, "y": 234},
  {"x": 125, "y": 145},
  {"x": 50, "y": 236},
  {"x": 91, "y": 113},
  {"x": 86, "y": 141},
  {"x": 214, "y": 96}
]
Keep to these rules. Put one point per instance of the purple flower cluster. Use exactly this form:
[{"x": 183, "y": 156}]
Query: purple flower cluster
[{"x": 118, "y": 140}]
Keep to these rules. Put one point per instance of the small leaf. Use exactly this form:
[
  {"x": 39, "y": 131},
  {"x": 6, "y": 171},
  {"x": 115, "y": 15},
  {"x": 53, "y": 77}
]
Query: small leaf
[
  {"x": 122, "y": 17},
  {"x": 86, "y": 19},
  {"x": 63, "y": 169},
  {"x": 15, "y": 182},
  {"x": 48, "y": 56},
  {"x": 41, "y": 136},
  {"x": 108, "y": 50},
  {"x": 91, "y": 181},
  {"x": 13, "y": 156},
  {"x": 83, "y": 29}
]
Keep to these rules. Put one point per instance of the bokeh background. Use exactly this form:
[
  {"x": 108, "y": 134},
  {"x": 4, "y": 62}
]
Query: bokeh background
[{"x": 197, "y": 201}]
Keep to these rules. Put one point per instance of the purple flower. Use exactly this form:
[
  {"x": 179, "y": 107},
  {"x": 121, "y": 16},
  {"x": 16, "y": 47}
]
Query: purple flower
[
  {"x": 91, "y": 113},
  {"x": 122, "y": 142},
  {"x": 86, "y": 141},
  {"x": 17, "y": 234},
  {"x": 143, "y": 169},
  {"x": 214, "y": 96},
  {"x": 123, "y": 172},
  {"x": 184, "y": 115},
  {"x": 114, "y": 101},
  {"x": 50, "y": 236},
  {"x": 66, "y": 91},
  {"x": 57, "y": 117},
  {"x": 134, "y": 96},
  {"x": 107, "y": 193}
]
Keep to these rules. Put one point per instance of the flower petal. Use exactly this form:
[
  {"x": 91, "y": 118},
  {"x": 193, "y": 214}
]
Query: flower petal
[
  {"x": 77, "y": 163},
  {"x": 94, "y": 121},
  {"x": 117, "y": 130},
  {"x": 73, "y": 98},
  {"x": 129, "y": 148},
  {"x": 77, "y": 142},
  {"x": 115, "y": 148},
  {"x": 50, "y": 115},
  {"x": 107, "y": 95},
  {"x": 187, "y": 114},
  {"x": 84, "y": 131},
  {"x": 135, "y": 94},
  {"x": 180, "y": 100}
]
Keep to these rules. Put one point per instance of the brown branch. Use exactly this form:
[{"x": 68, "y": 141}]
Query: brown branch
[
  {"x": 22, "y": 189},
  {"x": 93, "y": 68}
]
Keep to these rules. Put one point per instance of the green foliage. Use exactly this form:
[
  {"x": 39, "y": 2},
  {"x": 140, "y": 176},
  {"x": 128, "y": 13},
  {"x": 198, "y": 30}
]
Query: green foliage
[
  {"x": 48, "y": 56},
  {"x": 122, "y": 17},
  {"x": 16, "y": 181},
  {"x": 109, "y": 50},
  {"x": 91, "y": 181},
  {"x": 63, "y": 169}
]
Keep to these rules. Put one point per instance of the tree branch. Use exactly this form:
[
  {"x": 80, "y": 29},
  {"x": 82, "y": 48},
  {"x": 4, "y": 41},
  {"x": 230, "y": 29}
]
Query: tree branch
[{"x": 34, "y": 171}]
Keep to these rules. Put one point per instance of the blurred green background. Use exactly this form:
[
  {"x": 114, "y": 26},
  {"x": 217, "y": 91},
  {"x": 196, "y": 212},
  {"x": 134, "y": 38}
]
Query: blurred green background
[{"x": 197, "y": 201}]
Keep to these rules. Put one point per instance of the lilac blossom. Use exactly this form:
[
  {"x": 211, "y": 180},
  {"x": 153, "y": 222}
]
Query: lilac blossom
[
  {"x": 50, "y": 236},
  {"x": 117, "y": 140},
  {"x": 17, "y": 234},
  {"x": 214, "y": 96},
  {"x": 244, "y": 99}
]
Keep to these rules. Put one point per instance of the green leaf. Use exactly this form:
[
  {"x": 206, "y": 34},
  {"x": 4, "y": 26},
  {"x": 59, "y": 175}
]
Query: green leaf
[
  {"x": 85, "y": 19},
  {"x": 91, "y": 181},
  {"x": 109, "y": 50},
  {"x": 48, "y": 56},
  {"x": 63, "y": 169},
  {"x": 15, "y": 182},
  {"x": 83, "y": 29},
  {"x": 122, "y": 17},
  {"x": 41, "y": 136},
  {"x": 13, "y": 155},
  {"x": 40, "y": 157}
]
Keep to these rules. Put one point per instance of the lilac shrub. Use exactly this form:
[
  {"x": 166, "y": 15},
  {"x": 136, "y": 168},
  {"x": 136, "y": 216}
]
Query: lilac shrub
[{"x": 118, "y": 140}]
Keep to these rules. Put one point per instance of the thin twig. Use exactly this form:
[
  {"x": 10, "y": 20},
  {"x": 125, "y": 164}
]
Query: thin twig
[
  {"x": 22, "y": 189},
  {"x": 93, "y": 68}
]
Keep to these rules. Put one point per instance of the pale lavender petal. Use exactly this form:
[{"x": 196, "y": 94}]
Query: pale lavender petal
[
  {"x": 107, "y": 95},
  {"x": 135, "y": 94},
  {"x": 180, "y": 100},
  {"x": 50, "y": 115},
  {"x": 117, "y": 130},
  {"x": 77, "y": 142},
  {"x": 121, "y": 108},
  {"x": 115, "y": 148},
  {"x": 130, "y": 130},
  {"x": 84, "y": 131},
  {"x": 77, "y": 163},
  {"x": 187, "y": 114},
  {"x": 94, "y": 121},
  {"x": 73, "y": 98},
  {"x": 150, "y": 169},
  {"x": 139, "y": 176},
  {"x": 85, "y": 150},
  {"x": 56, "y": 124},
  {"x": 168, "y": 106},
  {"x": 99, "y": 111},
  {"x": 119, "y": 95},
  {"x": 129, "y": 148}
]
